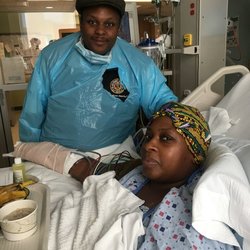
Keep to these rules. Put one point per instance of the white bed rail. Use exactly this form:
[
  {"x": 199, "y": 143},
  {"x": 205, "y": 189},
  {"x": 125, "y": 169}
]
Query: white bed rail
[{"x": 203, "y": 97}]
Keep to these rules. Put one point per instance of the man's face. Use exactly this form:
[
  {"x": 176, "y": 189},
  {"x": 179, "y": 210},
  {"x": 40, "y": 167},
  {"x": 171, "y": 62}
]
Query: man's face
[{"x": 99, "y": 27}]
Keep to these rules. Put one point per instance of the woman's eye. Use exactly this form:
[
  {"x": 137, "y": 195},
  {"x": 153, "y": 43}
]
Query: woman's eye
[
  {"x": 166, "y": 138},
  {"x": 147, "y": 137}
]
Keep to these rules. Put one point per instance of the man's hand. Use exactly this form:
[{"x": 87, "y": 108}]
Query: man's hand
[{"x": 83, "y": 168}]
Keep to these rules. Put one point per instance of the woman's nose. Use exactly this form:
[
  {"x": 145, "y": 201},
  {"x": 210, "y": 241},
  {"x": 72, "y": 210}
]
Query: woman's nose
[{"x": 150, "y": 144}]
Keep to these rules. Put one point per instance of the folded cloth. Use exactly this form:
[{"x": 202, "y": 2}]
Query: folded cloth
[
  {"x": 104, "y": 215},
  {"x": 218, "y": 120}
]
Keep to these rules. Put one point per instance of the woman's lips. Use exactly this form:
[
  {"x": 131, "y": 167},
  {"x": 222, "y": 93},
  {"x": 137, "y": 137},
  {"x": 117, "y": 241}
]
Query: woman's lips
[{"x": 150, "y": 162}]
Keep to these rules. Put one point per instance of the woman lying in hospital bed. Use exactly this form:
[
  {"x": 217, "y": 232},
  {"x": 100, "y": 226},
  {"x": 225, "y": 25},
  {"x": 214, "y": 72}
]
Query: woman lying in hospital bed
[{"x": 167, "y": 192}]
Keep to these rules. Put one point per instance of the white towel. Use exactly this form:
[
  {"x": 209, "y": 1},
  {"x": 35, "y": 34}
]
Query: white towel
[{"x": 104, "y": 215}]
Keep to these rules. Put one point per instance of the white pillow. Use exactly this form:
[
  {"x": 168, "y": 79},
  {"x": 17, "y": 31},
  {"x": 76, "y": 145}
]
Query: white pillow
[
  {"x": 222, "y": 198},
  {"x": 240, "y": 147}
]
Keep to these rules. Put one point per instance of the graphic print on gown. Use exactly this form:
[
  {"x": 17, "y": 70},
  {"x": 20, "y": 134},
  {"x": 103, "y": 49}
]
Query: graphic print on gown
[{"x": 111, "y": 82}]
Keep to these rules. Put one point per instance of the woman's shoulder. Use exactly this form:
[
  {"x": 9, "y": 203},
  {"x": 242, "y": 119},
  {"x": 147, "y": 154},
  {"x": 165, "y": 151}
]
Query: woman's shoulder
[{"x": 133, "y": 179}]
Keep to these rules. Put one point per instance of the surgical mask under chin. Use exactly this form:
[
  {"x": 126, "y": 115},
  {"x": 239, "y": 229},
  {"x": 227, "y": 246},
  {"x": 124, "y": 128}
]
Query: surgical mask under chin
[{"x": 91, "y": 56}]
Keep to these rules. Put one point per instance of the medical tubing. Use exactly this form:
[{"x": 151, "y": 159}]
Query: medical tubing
[{"x": 91, "y": 166}]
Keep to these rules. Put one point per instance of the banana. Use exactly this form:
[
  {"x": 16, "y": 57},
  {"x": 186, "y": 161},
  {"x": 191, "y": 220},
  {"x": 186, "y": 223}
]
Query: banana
[
  {"x": 8, "y": 187},
  {"x": 14, "y": 185},
  {"x": 14, "y": 191},
  {"x": 11, "y": 196},
  {"x": 27, "y": 183}
]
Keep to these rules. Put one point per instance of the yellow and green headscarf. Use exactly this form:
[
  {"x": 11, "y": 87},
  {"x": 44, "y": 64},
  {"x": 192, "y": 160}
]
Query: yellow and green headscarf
[{"x": 190, "y": 123}]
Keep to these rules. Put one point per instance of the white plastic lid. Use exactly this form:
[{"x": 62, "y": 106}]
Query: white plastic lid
[{"x": 18, "y": 160}]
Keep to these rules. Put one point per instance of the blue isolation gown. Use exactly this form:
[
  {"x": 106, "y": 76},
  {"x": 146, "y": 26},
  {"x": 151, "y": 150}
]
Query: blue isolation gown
[{"x": 87, "y": 101}]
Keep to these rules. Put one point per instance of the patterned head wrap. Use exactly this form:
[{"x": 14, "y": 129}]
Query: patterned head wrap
[{"x": 190, "y": 123}]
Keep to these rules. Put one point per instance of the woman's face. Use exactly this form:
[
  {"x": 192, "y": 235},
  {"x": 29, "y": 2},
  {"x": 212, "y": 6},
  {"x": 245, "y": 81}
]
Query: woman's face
[
  {"x": 99, "y": 27},
  {"x": 165, "y": 155}
]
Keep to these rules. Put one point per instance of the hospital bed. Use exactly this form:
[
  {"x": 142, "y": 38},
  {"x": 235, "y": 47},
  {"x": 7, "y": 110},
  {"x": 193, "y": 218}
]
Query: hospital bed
[{"x": 222, "y": 197}]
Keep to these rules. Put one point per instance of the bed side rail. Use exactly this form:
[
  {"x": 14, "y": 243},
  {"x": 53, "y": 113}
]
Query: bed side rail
[{"x": 203, "y": 97}]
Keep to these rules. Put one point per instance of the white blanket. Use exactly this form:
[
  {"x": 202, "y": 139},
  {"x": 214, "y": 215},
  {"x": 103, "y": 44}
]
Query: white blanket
[{"x": 104, "y": 215}]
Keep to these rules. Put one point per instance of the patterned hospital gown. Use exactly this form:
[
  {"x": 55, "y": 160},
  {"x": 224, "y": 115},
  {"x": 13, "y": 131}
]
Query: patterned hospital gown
[{"x": 168, "y": 226}]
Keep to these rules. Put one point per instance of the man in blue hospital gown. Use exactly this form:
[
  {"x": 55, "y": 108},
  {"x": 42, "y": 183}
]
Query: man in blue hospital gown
[{"x": 86, "y": 89}]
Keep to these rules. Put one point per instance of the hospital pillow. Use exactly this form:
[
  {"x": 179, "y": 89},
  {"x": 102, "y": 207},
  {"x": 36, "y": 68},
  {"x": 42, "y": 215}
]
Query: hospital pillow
[
  {"x": 240, "y": 147},
  {"x": 222, "y": 198}
]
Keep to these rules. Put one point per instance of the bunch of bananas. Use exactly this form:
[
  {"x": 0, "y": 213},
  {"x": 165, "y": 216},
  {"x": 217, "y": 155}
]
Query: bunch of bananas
[{"x": 14, "y": 191}]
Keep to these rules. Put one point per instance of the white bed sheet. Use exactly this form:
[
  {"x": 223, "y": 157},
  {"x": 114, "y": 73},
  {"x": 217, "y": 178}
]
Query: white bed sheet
[{"x": 59, "y": 185}]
